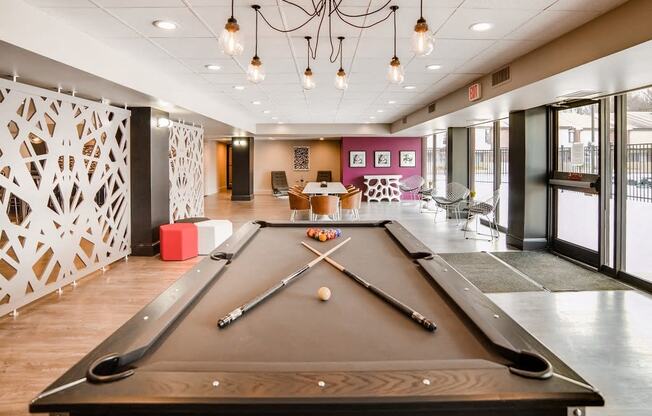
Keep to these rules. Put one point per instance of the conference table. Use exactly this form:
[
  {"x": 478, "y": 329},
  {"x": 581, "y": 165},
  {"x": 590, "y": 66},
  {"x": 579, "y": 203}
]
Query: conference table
[{"x": 331, "y": 188}]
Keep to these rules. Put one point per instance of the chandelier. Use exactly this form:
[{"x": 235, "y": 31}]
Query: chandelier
[{"x": 323, "y": 13}]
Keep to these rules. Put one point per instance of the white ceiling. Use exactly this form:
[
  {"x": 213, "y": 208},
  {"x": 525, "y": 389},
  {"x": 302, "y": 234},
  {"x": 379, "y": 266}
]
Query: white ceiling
[{"x": 519, "y": 27}]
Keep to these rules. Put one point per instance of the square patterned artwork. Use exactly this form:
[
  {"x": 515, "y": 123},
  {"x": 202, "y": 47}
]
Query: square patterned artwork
[{"x": 301, "y": 158}]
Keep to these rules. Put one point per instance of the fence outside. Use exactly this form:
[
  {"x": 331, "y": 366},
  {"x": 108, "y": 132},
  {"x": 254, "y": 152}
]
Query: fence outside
[{"x": 639, "y": 166}]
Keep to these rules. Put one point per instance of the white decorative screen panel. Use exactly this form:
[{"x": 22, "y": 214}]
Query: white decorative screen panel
[
  {"x": 186, "y": 171},
  {"x": 64, "y": 190}
]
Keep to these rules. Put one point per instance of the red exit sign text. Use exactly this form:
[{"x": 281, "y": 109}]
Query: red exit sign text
[{"x": 475, "y": 92}]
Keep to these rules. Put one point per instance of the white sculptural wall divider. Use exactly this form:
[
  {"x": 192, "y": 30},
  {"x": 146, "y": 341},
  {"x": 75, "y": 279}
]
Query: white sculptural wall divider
[
  {"x": 186, "y": 171},
  {"x": 64, "y": 190}
]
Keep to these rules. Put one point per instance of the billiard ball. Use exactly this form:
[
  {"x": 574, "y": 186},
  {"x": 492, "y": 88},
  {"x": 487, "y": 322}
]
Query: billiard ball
[{"x": 324, "y": 293}]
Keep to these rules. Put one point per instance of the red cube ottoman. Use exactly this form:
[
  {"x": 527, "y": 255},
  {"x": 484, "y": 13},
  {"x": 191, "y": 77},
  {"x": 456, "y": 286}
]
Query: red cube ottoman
[{"x": 178, "y": 241}]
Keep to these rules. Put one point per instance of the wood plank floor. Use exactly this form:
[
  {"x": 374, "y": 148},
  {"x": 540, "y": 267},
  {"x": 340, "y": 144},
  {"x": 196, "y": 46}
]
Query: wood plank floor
[{"x": 606, "y": 336}]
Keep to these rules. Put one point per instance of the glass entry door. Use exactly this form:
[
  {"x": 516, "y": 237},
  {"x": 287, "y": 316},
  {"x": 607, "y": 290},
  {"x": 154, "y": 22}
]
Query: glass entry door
[{"x": 576, "y": 165}]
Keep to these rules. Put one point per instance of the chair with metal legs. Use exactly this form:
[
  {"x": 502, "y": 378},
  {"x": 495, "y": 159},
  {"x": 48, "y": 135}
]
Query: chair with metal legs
[
  {"x": 486, "y": 209},
  {"x": 455, "y": 194}
]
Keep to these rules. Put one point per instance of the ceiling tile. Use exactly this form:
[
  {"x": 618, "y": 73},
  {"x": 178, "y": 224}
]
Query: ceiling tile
[
  {"x": 507, "y": 4},
  {"x": 138, "y": 47},
  {"x": 141, "y": 19},
  {"x": 587, "y": 5},
  {"x": 504, "y": 21},
  {"x": 94, "y": 21},
  {"x": 60, "y": 3},
  {"x": 140, "y": 3},
  {"x": 551, "y": 24}
]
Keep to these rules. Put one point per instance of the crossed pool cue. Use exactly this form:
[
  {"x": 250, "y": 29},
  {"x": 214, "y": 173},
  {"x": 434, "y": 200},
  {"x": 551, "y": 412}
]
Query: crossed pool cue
[
  {"x": 238, "y": 312},
  {"x": 389, "y": 299}
]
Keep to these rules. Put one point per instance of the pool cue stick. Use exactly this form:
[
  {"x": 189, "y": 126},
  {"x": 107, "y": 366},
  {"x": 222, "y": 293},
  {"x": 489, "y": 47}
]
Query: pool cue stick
[
  {"x": 397, "y": 304},
  {"x": 236, "y": 313}
]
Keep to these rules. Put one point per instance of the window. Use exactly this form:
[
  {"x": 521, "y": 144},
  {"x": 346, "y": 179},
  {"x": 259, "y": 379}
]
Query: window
[
  {"x": 638, "y": 189},
  {"x": 441, "y": 162},
  {"x": 481, "y": 141}
]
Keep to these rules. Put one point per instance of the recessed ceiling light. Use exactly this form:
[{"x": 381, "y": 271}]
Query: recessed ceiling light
[
  {"x": 267, "y": 111},
  {"x": 372, "y": 117},
  {"x": 380, "y": 111},
  {"x": 433, "y": 67},
  {"x": 165, "y": 24},
  {"x": 255, "y": 102},
  {"x": 274, "y": 118},
  {"x": 279, "y": 122},
  {"x": 481, "y": 27},
  {"x": 409, "y": 87},
  {"x": 391, "y": 102},
  {"x": 212, "y": 67},
  {"x": 239, "y": 87}
]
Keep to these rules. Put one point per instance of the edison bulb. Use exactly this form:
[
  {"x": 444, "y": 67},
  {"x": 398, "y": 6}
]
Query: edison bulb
[
  {"x": 256, "y": 71},
  {"x": 395, "y": 72},
  {"x": 230, "y": 38},
  {"x": 308, "y": 80},
  {"x": 340, "y": 80},
  {"x": 422, "y": 39}
]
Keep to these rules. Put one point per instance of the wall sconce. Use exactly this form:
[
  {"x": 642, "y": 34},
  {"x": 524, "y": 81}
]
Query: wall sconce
[
  {"x": 163, "y": 122},
  {"x": 239, "y": 142}
]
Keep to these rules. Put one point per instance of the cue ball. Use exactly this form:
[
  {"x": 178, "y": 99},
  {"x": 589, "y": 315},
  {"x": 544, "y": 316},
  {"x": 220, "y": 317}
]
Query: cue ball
[{"x": 324, "y": 293}]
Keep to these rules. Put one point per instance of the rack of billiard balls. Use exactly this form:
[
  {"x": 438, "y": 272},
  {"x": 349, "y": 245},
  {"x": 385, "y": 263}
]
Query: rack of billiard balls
[{"x": 323, "y": 234}]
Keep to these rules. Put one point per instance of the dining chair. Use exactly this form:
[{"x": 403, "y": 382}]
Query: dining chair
[
  {"x": 486, "y": 209},
  {"x": 321, "y": 205},
  {"x": 324, "y": 176},
  {"x": 298, "y": 202},
  {"x": 455, "y": 194},
  {"x": 351, "y": 202}
]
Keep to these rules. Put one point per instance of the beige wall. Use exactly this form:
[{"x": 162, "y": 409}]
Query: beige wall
[
  {"x": 210, "y": 167},
  {"x": 221, "y": 167},
  {"x": 272, "y": 155}
]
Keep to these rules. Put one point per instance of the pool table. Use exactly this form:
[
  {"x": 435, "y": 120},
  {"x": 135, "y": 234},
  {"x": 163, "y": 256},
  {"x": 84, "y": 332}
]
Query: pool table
[{"x": 297, "y": 355}]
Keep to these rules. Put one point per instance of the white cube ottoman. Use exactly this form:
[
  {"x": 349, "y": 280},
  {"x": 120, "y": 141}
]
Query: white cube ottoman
[{"x": 211, "y": 234}]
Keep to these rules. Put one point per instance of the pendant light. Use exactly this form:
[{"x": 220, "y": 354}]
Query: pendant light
[
  {"x": 308, "y": 80},
  {"x": 395, "y": 72},
  {"x": 340, "y": 79},
  {"x": 230, "y": 37},
  {"x": 422, "y": 39},
  {"x": 255, "y": 70}
]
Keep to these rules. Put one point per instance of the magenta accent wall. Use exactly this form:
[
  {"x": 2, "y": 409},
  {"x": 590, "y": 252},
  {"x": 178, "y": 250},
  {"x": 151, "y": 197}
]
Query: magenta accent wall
[{"x": 369, "y": 145}]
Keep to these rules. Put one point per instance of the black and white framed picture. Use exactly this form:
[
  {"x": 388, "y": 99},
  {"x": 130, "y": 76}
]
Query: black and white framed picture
[
  {"x": 382, "y": 159},
  {"x": 408, "y": 158},
  {"x": 301, "y": 157},
  {"x": 357, "y": 159}
]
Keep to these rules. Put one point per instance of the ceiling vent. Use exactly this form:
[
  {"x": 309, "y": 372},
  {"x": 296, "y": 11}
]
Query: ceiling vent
[
  {"x": 432, "y": 107},
  {"x": 500, "y": 77},
  {"x": 404, "y": 120}
]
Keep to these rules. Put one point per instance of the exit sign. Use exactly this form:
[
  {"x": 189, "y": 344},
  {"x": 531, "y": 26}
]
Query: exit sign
[{"x": 475, "y": 92}]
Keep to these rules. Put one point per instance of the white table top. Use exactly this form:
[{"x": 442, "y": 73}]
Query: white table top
[{"x": 332, "y": 188}]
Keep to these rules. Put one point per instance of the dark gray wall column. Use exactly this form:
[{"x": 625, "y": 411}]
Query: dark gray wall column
[
  {"x": 458, "y": 156},
  {"x": 243, "y": 169},
  {"x": 528, "y": 174},
  {"x": 150, "y": 189}
]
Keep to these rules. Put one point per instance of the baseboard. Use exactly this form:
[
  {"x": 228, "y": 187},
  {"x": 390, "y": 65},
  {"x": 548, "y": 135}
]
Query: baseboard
[
  {"x": 527, "y": 243},
  {"x": 146, "y": 249}
]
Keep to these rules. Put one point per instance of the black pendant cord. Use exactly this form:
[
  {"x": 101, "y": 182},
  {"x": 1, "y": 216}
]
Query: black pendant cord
[
  {"x": 341, "y": 52},
  {"x": 256, "y": 8},
  {"x": 394, "y": 8},
  {"x": 232, "y": 9},
  {"x": 308, "y": 39},
  {"x": 379, "y": 9},
  {"x": 320, "y": 10},
  {"x": 421, "y": 9}
]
